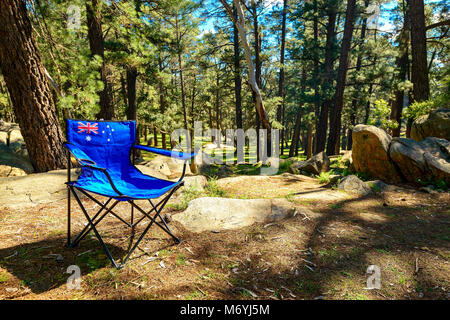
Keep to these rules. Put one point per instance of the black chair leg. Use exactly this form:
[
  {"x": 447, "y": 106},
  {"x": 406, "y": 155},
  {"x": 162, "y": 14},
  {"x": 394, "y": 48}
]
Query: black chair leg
[{"x": 104, "y": 211}]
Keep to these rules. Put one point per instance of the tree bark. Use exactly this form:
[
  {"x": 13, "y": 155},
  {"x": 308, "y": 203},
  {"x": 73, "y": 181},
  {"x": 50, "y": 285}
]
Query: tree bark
[
  {"x": 336, "y": 114},
  {"x": 327, "y": 83},
  {"x": 240, "y": 24},
  {"x": 280, "y": 109},
  {"x": 180, "y": 69},
  {"x": 237, "y": 73},
  {"x": 95, "y": 35},
  {"x": 131, "y": 93},
  {"x": 316, "y": 69},
  {"x": 419, "y": 75},
  {"x": 356, "y": 100},
  {"x": 29, "y": 89},
  {"x": 162, "y": 100},
  {"x": 298, "y": 121},
  {"x": 402, "y": 64}
]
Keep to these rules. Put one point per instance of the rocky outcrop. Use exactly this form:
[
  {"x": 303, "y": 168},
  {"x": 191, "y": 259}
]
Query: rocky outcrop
[
  {"x": 37, "y": 188},
  {"x": 7, "y": 171},
  {"x": 370, "y": 153},
  {"x": 377, "y": 155},
  {"x": 14, "y": 159},
  {"x": 354, "y": 185},
  {"x": 315, "y": 165},
  {"x": 168, "y": 167},
  {"x": 427, "y": 160},
  {"x": 218, "y": 214},
  {"x": 436, "y": 124}
]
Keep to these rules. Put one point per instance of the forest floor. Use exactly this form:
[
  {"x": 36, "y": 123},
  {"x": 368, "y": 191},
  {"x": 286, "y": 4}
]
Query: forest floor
[{"x": 324, "y": 255}]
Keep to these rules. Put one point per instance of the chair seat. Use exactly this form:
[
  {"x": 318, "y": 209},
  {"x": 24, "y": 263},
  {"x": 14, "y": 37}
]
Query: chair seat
[{"x": 135, "y": 185}]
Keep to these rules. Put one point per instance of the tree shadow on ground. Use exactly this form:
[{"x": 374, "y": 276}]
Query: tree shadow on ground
[{"x": 399, "y": 237}]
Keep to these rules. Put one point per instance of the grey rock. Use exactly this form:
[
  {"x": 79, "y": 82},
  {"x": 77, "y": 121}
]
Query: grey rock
[
  {"x": 315, "y": 165},
  {"x": 33, "y": 189},
  {"x": 7, "y": 171},
  {"x": 8, "y": 158},
  {"x": 370, "y": 153},
  {"x": 428, "y": 160},
  {"x": 16, "y": 141},
  {"x": 436, "y": 124},
  {"x": 380, "y": 186},
  {"x": 354, "y": 185},
  {"x": 3, "y": 139},
  {"x": 218, "y": 214}
]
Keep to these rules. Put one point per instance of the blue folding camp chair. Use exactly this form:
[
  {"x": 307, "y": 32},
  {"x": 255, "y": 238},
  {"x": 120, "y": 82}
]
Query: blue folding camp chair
[{"x": 103, "y": 150}]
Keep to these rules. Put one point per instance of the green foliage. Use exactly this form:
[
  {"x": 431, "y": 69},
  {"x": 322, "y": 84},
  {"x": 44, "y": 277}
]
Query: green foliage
[
  {"x": 213, "y": 190},
  {"x": 381, "y": 114},
  {"x": 324, "y": 177},
  {"x": 284, "y": 166},
  {"x": 438, "y": 184},
  {"x": 418, "y": 109}
]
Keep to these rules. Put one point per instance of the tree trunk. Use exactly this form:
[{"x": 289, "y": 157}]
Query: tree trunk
[
  {"x": 296, "y": 134},
  {"x": 237, "y": 73},
  {"x": 248, "y": 56},
  {"x": 28, "y": 87},
  {"x": 162, "y": 100},
  {"x": 280, "y": 109},
  {"x": 336, "y": 114},
  {"x": 180, "y": 69},
  {"x": 356, "y": 100},
  {"x": 155, "y": 136},
  {"x": 327, "y": 83},
  {"x": 309, "y": 148},
  {"x": 95, "y": 34},
  {"x": 298, "y": 121},
  {"x": 421, "y": 85},
  {"x": 183, "y": 94},
  {"x": 316, "y": 69},
  {"x": 402, "y": 64},
  {"x": 131, "y": 93},
  {"x": 217, "y": 105}
]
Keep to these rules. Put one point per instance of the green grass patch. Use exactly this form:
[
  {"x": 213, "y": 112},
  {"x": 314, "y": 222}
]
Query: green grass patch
[
  {"x": 324, "y": 177},
  {"x": 3, "y": 276}
]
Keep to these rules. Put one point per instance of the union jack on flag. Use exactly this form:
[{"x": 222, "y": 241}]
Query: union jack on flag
[{"x": 88, "y": 127}]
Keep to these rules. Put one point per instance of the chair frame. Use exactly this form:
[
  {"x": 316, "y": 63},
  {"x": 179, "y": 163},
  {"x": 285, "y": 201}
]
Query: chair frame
[{"x": 105, "y": 209}]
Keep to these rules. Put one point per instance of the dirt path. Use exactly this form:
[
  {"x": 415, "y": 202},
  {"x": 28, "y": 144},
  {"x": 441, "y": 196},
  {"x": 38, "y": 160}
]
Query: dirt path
[{"x": 326, "y": 254}]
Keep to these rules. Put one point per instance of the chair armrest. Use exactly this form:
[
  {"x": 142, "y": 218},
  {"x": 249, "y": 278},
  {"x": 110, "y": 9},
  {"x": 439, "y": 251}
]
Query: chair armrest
[
  {"x": 87, "y": 162},
  {"x": 79, "y": 155},
  {"x": 168, "y": 153}
]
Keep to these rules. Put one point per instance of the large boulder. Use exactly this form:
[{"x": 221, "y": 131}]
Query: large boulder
[
  {"x": 218, "y": 214},
  {"x": 3, "y": 140},
  {"x": 428, "y": 160},
  {"x": 33, "y": 189},
  {"x": 14, "y": 160},
  {"x": 168, "y": 166},
  {"x": 354, "y": 185},
  {"x": 16, "y": 141},
  {"x": 10, "y": 159},
  {"x": 7, "y": 171},
  {"x": 436, "y": 124},
  {"x": 370, "y": 153},
  {"x": 315, "y": 165}
]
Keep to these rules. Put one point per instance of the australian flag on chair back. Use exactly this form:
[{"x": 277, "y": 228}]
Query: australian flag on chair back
[
  {"x": 109, "y": 145},
  {"x": 104, "y": 149}
]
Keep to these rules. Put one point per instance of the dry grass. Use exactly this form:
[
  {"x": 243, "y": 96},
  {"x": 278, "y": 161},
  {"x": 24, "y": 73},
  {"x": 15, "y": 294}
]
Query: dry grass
[{"x": 325, "y": 254}]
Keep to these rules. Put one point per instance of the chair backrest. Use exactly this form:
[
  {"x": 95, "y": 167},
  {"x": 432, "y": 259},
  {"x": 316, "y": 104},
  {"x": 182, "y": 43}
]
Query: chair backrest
[{"x": 107, "y": 143}]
